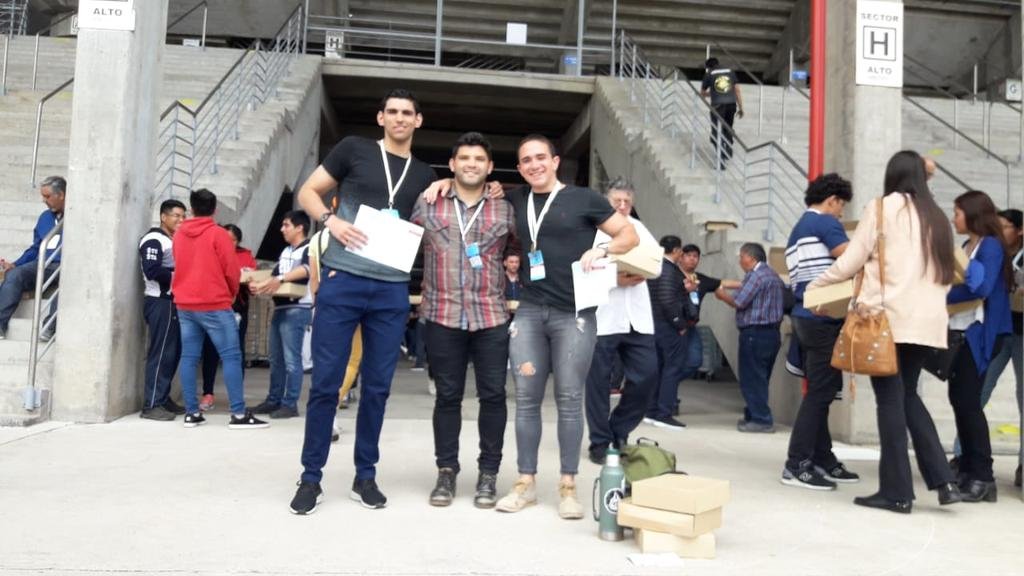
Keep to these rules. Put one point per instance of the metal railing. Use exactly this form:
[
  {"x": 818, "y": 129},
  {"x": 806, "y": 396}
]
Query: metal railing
[
  {"x": 763, "y": 183},
  {"x": 206, "y": 9},
  {"x": 46, "y": 326},
  {"x": 189, "y": 139},
  {"x": 39, "y": 125},
  {"x": 3, "y": 75},
  {"x": 760, "y": 85},
  {"x": 35, "y": 51},
  {"x": 989, "y": 153}
]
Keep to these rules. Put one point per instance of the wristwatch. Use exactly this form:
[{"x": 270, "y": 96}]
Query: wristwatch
[
  {"x": 280, "y": 277},
  {"x": 326, "y": 216}
]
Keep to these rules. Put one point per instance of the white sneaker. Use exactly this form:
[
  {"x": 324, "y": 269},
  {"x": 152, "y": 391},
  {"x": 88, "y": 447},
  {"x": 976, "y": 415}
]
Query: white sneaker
[
  {"x": 336, "y": 431},
  {"x": 521, "y": 495},
  {"x": 569, "y": 507}
]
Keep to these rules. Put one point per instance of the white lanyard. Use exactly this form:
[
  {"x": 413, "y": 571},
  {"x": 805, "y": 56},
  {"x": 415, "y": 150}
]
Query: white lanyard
[
  {"x": 458, "y": 215},
  {"x": 392, "y": 189},
  {"x": 534, "y": 221}
]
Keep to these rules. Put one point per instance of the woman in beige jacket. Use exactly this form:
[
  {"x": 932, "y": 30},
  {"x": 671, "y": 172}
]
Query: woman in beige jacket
[{"x": 918, "y": 273}]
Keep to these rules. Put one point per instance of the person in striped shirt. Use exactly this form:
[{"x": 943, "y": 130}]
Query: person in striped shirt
[{"x": 464, "y": 306}]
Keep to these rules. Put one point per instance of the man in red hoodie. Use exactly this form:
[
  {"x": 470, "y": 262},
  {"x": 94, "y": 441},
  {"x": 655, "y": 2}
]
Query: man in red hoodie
[{"x": 206, "y": 278}]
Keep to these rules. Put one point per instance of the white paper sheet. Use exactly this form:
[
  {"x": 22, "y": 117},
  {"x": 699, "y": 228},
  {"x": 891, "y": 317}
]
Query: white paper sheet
[
  {"x": 591, "y": 288},
  {"x": 391, "y": 241}
]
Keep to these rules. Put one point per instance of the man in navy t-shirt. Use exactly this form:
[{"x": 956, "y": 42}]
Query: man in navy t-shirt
[{"x": 814, "y": 244}]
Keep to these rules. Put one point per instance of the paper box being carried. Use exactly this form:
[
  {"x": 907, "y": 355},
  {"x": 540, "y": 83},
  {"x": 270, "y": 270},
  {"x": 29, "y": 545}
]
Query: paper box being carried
[
  {"x": 291, "y": 290},
  {"x": 690, "y": 525},
  {"x": 651, "y": 542},
  {"x": 960, "y": 262},
  {"x": 643, "y": 260},
  {"x": 834, "y": 299},
  {"x": 249, "y": 276},
  {"x": 681, "y": 493}
]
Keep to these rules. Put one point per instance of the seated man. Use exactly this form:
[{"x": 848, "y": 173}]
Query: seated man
[{"x": 20, "y": 275}]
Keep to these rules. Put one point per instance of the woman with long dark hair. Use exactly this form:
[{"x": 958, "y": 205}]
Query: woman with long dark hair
[
  {"x": 989, "y": 279},
  {"x": 918, "y": 272}
]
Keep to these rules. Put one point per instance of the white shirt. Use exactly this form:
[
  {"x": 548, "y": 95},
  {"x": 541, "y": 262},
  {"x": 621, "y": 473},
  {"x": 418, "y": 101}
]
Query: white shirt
[{"x": 628, "y": 307}]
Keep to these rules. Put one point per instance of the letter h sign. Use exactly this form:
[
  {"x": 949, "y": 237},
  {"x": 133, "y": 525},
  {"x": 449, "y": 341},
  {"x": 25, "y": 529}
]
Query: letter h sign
[{"x": 879, "y": 43}]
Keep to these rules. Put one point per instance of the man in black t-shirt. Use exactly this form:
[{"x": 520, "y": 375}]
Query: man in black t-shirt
[
  {"x": 556, "y": 225},
  {"x": 726, "y": 102},
  {"x": 355, "y": 291}
]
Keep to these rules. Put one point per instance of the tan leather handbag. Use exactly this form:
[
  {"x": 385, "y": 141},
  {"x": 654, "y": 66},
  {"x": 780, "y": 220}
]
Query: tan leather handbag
[{"x": 865, "y": 345}]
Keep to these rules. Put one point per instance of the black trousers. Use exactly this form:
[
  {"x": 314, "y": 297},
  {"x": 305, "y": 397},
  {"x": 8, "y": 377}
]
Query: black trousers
[
  {"x": 163, "y": 351},
  {"x": 965, "y": 385},
  {"x": 448, "y": 352},
  {"x": 640, "y": 363},
  {"x": 900, "y": 408},
  {"x": 810, "y": 440},
  {"x": 728, "y": 113}
]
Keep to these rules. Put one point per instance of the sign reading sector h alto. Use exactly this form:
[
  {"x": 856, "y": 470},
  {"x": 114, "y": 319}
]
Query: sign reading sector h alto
[
  {"x": 106, "y": 15},
  {"x": 879, "y": 43}
]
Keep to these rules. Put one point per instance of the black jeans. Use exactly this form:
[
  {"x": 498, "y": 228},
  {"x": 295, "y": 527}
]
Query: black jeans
[
  {"x": 640, "y": 363},
  {"x": 728, "y": 113},
  {"x": 900, "y": 408},
  {"x": 810, "y": 439},
  {"x": 448, "y": 352},
  {"x": 965, "y": 385}
]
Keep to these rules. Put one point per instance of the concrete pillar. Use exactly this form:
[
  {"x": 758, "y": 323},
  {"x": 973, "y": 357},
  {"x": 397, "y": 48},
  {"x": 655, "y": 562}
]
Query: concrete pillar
[
  {"x": 862, "y": 131},
  {"x": 100, "y": 339}
]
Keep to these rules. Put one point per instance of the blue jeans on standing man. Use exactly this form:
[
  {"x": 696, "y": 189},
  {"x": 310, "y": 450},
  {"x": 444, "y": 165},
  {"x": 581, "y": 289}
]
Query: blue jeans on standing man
[
  {"x": 287, "y": 329},
  {"x": 343, "y": 302},
  {"x": 223, "y": 331},
  {"x": 679, "y": 358},
  {"x": 759, "y": 346}
]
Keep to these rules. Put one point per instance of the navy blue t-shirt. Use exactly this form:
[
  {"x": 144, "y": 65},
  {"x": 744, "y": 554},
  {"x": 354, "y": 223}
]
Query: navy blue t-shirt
[{"x": 809, "y": 254}]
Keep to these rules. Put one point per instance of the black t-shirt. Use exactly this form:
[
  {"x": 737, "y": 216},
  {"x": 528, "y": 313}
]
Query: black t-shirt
[
  {"x": 565, "y": 234},
  {"x": 355, "y": 163},
  {"x": 706, "y": 285},
  {"x": 722, "y": 83}
]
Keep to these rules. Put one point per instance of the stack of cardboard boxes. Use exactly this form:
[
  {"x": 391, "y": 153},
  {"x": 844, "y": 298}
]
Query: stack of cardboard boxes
[{"x": 675, "y": 513}]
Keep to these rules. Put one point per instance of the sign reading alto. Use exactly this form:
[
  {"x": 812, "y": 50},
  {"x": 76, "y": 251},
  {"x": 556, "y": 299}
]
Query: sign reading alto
[
  {"x": 880, "y": 43},
  {"x": 106, "y": 15}
]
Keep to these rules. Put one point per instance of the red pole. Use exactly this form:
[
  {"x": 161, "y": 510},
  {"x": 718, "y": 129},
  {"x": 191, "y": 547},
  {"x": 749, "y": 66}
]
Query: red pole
[{"x": 816, "y": 150}]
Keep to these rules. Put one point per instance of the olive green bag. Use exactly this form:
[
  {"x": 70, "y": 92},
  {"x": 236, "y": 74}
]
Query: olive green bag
[{"x": 646, "y": 459}]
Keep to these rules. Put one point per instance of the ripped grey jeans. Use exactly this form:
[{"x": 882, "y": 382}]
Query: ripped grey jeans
[{"x": 543, "y": 341}]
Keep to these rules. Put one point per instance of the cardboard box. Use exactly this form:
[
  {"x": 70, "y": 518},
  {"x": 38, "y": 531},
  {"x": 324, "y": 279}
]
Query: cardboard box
[
  {"x": 681, "y": 493},
  {"x": 291, "y": 290},
  {"x": 644, "y": 260},
  {"x": 960, "y": 262},
  {"x": 850, "y": 226},
  {"x": 963, "y": 306},
  {"x": 777, "y": 260},
  {"x": 513, "y": 305},
  {"x": 690, "y": 525},
  {"x": 834, "y": 299},
  {"x": 651, "y": 542},
  {"x": 255, "y": 276},
  {"x": 1017, "y": 301}
]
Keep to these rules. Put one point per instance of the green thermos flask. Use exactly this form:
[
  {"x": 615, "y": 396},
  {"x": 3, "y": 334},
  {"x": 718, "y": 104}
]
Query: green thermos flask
[{"x": 609, "y": 490}]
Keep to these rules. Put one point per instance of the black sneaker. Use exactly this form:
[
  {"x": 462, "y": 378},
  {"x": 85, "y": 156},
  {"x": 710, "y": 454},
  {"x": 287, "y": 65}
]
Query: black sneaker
[
  {"x": 366, "y": 493},
  {"x": 307, "y": 498},
  {"x": 486, "y": 490},
  {"x": 1016, "y": 477},
  {"x": 193, "y": 420},
  {"x": 246, "y": 422},
  {"x": 444, "y": 490},
  {"x": 806, "y": 477},
  {"x": 597, "y": 454},
  {"x": 668, "y": 422},
  {"x": 284, "y": 412},
  {"x": 838, "y": 473},
  {"x": 264, "y": 408},
  {"x": 173, "y": 406},
  {"x": 158, "y": 413}
]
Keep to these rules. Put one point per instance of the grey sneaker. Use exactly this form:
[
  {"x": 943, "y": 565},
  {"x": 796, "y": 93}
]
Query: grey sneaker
[
  {"x": 838, "y": 473},
  {"x": 157, "y": 413},
  {"x": 444, "y": 490},
  {"x": 486, "y": 491},
  {"x": 754, "y": 427},
  {"x": 807, "y": 477},
  {"x": 284, "y": 412}
]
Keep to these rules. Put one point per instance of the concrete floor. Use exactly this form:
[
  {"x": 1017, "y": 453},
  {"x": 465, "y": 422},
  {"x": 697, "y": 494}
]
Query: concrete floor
[{"x": 141, "y": 497}]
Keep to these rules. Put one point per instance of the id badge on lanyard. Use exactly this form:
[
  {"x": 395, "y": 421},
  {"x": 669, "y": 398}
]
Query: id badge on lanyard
[
  {"x": 472, "y": 249},
  {"x": 534, "y": 222},
  {"x": 537, "y": 266}
]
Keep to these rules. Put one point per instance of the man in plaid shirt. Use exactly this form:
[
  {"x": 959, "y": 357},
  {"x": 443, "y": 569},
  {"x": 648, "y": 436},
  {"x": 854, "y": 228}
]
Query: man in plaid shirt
[
  {"x": 758, "y": 304},
  {"x": 465, "y": 235}
]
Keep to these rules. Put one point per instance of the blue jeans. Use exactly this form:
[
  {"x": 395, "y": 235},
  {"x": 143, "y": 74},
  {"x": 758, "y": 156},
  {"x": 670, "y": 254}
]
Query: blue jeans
[
  {"x": 287, "y": 328},
  {"x": 344, "y": 302},
  {"x": 759, "y": 345},
  {"x": 223, "y": 331},
  {"x": 679, "y": 358},
  {"x": 18, "y": 280}
]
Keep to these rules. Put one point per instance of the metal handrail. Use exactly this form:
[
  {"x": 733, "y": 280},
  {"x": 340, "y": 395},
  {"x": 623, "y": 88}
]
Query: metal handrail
[
  {"x": 189, "y": 139},
  {"x": 936, "y": 73},
  {"x": 203, "y": 4},
  {"x": 988, "y": 152},
  {"x": 3, "y": 75},
  {"x": 952, "y": 176},
  {"x": 760, "y": 85},
  {"x": 35, "y": 52},
  {"x": 43, "y": 260},
  {"x": 39, "y": 125}
]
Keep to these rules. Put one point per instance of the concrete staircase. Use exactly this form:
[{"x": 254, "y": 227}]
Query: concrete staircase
[{"x": 274, "y": 144}]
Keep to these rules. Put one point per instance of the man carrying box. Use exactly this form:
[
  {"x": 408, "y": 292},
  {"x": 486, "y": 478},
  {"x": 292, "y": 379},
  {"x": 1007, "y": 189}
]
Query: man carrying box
[
  {"x": 291, "y": 317},
  {"x": 815, "y": 242},
  {"x": 625, "y": 328}
]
